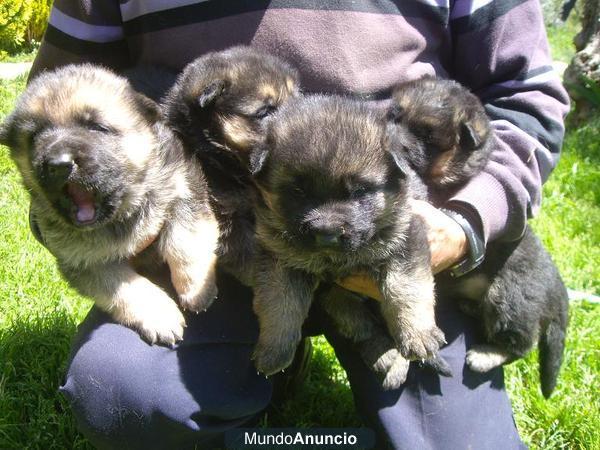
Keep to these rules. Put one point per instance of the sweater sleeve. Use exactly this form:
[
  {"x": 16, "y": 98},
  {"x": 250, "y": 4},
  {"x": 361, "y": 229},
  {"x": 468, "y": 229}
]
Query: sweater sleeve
[
  {"x": 501, "y": 53},
  {"x": 83, "y": 31}
]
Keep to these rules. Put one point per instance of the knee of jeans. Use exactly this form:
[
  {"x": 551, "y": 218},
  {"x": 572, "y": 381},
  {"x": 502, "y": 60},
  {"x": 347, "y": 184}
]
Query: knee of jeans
[{"x": 124, "y": 392}]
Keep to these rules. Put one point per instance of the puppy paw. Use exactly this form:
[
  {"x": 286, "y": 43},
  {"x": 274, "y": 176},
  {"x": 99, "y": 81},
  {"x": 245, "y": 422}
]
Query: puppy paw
[
  {"x": 483, "y": 358},
  {"x": 420, "y": 344},
  {"x": 438, "y": 365},
  {"x": 270, "y": 359},
  {"x": 196, "y": 287},
  {"x": 385, "y": 361},
  {"x": 396, "y": 374},
  {"x": 162, "y": 324},
  {"x": 153, "y": 314}
]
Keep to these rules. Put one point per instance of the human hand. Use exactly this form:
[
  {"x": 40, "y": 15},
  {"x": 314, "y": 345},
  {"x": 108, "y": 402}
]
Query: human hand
[
  {"x": 447, "y": 241},
  {"x": 447, "y": 244}
]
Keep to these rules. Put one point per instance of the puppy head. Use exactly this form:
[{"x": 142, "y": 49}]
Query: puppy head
[
  {"x": 451, "y": 125},
  {"x": 331, "y": 179},
  {"x": 223, "y": 97},
  {"x": 81, "y": 138}
]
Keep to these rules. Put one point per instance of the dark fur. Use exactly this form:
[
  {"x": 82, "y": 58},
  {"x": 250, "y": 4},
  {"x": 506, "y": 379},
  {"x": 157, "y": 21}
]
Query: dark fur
[
  {"x": 217, "y": 106},
  {"x": 334, "y": 201},
  {"x": 111, "y": 190},
  {"x": 451, "y": 127},
  {"x": 517, "y": 291},
  {"x": 518, "y": 294},
  {"x": 196, "y": 108}
]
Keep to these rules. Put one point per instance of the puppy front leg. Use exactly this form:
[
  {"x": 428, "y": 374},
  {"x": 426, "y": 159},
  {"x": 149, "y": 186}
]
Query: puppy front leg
[
  {"x": 189, "y": 243},
  {"x": 408, "y": 308},
  {"x": 131, "y": 300},
  {"x": 282, "y": 298},
  {"x": 348, "y": 312}
]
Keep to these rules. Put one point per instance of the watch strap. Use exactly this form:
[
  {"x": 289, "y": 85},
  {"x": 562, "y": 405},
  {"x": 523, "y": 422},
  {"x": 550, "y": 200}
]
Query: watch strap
[{"x": 476, "y": 253}]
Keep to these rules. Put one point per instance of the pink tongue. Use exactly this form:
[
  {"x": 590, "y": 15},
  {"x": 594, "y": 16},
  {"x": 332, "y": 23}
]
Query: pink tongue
[{"x": 84, "y": 201}]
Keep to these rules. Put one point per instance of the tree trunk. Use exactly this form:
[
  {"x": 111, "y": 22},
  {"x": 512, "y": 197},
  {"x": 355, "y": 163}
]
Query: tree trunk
[{"x": 585, "y": 65}]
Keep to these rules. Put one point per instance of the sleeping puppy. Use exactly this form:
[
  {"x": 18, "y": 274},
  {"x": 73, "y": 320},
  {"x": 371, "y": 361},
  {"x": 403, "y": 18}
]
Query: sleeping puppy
[
  {"x": 335, "y": 192},
  {"x": 517, "y": 291},
  {"x": 217, "y": 106},
  {"x": 111, "y": 191},
  {"x": 452, "y": 131}
]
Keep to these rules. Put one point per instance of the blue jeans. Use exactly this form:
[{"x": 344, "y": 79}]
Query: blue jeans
[{"x": 127, "y": 394}]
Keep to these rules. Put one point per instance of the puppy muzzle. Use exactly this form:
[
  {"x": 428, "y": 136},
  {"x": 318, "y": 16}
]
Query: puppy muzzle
[{"x": 56, "y": 170}]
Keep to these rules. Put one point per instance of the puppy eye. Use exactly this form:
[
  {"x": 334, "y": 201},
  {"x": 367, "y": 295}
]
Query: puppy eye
[
  {"x": 299, "y": 192},
  {"x": 94, "y": 126},
  {"x": 358, "y": 191},
  {"x": 264, "y": 111},
  {"x": 87, "y": 121}
]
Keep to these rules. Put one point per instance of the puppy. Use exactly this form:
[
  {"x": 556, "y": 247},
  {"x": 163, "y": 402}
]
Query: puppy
[
  {"x": 517, "y": 291},
  {"x": 452, "y": 131},
  {"x": 217, "y": 106},
  {"x": 111, "y": 191},
  {"x": 334, "y": 201}
]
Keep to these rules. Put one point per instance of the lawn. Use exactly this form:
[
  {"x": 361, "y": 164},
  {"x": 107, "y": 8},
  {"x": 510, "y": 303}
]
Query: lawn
[{"x": 39, "y": 314}]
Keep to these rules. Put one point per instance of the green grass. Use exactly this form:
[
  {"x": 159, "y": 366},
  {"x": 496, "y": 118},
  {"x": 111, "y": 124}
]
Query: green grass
[
  {"x": 39, "y": 314},
  {"x": 24, "y": 56},
  {"x": 561, "y": 38}
]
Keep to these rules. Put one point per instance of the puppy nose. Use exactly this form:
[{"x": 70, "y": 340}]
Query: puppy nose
[
  {"x": 328, "y": 238},
  {"x": 59, "y": 167}
]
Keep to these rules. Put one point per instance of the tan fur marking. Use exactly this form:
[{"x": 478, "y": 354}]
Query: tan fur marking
[
  {"x": 438, "y": 169},
  {"x": 190, "y": 254},
  {"x": 290, "y": 85},
  {"x": 140, "y": 304},
  {"x": 268, "y": 198},
  {"x": 267, "y": 90},
  {"x": 237, "y": 133}
]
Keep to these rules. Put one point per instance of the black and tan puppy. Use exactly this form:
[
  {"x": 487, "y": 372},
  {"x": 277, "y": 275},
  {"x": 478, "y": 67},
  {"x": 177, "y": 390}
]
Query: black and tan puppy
[
  {"x": 517, "y": 292},
  {"x": 111, "y": 189},
  {"x": 334, "y": 200},
  {"x": 217, "y": 106},
  {"x": 452, "y": 129}
]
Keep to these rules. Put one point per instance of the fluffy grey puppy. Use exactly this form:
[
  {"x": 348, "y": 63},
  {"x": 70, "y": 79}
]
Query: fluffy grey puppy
[
  {"x": 112, "y": 191},
  {"x": 335, "y": 190}
]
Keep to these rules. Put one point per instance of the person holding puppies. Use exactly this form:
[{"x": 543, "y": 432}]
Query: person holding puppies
[{"x": 146, "y": 396}]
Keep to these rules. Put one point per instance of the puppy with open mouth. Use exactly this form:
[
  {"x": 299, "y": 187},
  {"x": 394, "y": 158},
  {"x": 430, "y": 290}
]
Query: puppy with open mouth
[
  {"x": 114, "y": 195},
  {"x": 335, "y": 190}
]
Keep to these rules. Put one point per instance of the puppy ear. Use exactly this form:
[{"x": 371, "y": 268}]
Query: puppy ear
[
  {"x": 397, "y": 144},
  {"x": 210, "y": 93},
  {"x": 147, "y": 107},
  {"x": 399, "y": 161},
  {"x": 258, "y": 159},
  {"x": 470, "y": 138}
]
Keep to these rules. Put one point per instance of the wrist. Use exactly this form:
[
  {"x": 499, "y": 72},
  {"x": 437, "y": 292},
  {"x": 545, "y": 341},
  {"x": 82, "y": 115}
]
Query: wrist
[{"x": 474, "y": 246}]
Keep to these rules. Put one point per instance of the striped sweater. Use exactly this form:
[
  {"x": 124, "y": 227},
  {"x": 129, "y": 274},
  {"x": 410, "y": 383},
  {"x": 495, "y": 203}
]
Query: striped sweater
[{"x": 497, "y": 48}]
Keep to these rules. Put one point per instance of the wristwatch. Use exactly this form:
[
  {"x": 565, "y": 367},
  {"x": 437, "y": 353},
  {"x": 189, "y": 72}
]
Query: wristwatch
[{"x": 476, "y": 252}]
